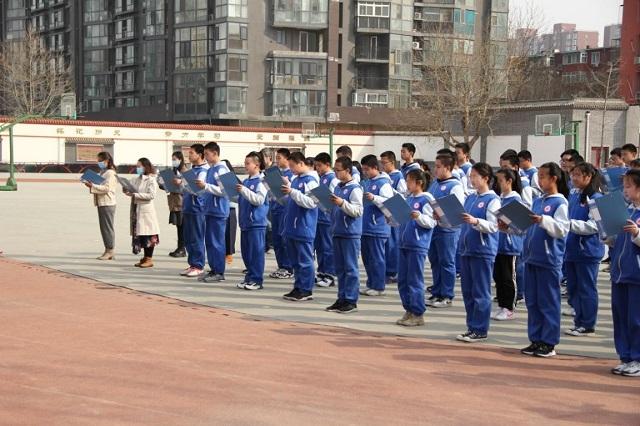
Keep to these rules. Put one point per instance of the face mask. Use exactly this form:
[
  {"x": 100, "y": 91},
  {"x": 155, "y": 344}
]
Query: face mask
[
  {"x": 140, "y": 171},
  {"x": 175, "y": 163},
  {"x": 102, "y": 165}
]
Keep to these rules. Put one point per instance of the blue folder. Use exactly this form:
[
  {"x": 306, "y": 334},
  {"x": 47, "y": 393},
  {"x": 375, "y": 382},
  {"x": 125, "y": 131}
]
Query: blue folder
[
  {"x": 127, "y": 185},
  {"x": 228, "y": 181},
  {"x": 613, "y": 177},
  {"x": 610, "y": 213},
  {"x": 191, "y": 177},
  {"x": 517, "y": 216},
  {"x": 397, "y": 210},
  {"x": 322, "y": 195},
  {"x": 167, "y": 176},
  {"x": 93, "y": 177},
  {"x": 449, "y": 210},
  {"x": 273, "y": 180}
]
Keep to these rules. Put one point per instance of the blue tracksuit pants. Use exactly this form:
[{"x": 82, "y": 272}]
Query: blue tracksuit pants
[
  {"x": 542, "y": 295},
  {"x": 374, "y": 261},
  {"x": 442, "y": 257},
  {"x": 520, "y": 285},
  {"x": 475, "y": 279},
  {"x": 582, "y": 278},
  {"x": 324, "y": 249},
  {"x": 279, "y": 242},
  {"x": 193, "y": 228},
  {"x": 215, "y": 243},
  {"x": 392, "y": 252},
  {"x": 301, "y": 254},
  {"x": 252, "y": 243},
  {"x": 625, "y": 300},
  {"x": 411, "y": 280},
  {"x": 346, "y": 252}
]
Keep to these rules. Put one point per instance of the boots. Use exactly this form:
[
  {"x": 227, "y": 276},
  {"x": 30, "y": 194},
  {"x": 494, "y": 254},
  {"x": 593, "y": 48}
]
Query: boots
[
  {"x": 140, "y": 262},
  {"x": 107, "y": 255},
  {"x": 179, "y": 252},
  {"x": 146, "y": 262}
]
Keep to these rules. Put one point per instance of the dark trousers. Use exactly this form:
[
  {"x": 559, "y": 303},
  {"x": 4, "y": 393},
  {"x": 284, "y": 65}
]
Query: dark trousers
[
  {"x": 504, "y": 273},
  {"x": 180, "y": 236},
  {"x": 230, "y": 232}
]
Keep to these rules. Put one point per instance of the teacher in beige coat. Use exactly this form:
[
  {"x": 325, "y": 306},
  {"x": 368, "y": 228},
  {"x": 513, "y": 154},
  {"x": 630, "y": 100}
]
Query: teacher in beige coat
[
  {"x": 144, "y": 221},
  {"x": 104, "y": 198}
]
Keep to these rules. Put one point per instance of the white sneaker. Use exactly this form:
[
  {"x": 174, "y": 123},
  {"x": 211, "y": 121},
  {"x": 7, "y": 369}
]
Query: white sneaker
[
  {"x": 505, "y": 315},
  {"x": 619, "y": 368},
  {"x": 371, "y": 292},
  {"x": 194, "y": 272},
  {"x": 186, "y": 271},
  {"x": 569, "y": 312},
  {"x": 442, "y": 303},
  {"x": 495, "y": 313},
  {"x": 632, "y": 369}
]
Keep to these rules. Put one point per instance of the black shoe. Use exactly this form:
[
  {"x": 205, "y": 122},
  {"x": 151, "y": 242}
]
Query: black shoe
[
  {"x": 531, "y": 349},
  {"x": 244, "y": 271},
  {"x": 430, "y": 288},
  {"x": 545, "y": 351},
  {"x": 607, "y": 260},
  {"x": 179, "y": 252},
  {"x": 336, "y": 306},
  {"x": 347, "y": 308},
  {"x": 298, "y": 295}
]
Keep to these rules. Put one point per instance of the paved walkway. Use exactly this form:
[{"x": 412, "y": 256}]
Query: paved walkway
[
  {"x": 54, "y": 224},
  {"x": 76, "y": 351}
]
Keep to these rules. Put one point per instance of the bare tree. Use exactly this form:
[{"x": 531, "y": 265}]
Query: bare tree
[{"x": 32, "y": 78}]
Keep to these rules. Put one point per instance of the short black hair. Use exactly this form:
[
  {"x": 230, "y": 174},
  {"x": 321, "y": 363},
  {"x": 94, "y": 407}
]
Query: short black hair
[
  {"x": 389, "y": 155},
  {"x": 571, "y": 152},
  {"x": 629, "y": 147},
  {"x": 344, "y": 151},
  {"x": 284, "y": 152},
  {"x": 323, "y": 158},
  {"x": 409, "y": 147},
  {"x": 309, "y": 161},
  {"x": 213, "y": 147},
  {"x": 511, "y": 158},
  {"x": 616, "y": 151},
  {"x": 198, "y": 148},
  {"x": 446, "y": 160},
  {"x": 464, "y": 147},
  {"x": 297, "y": 157},
  {"x": 633, "y": 175},
  {"x": 525, "y": 155},
  {"x": 346, "y": 163},
  {"x": 370, "y": 161},
  {"x": 635, "y": 164}
]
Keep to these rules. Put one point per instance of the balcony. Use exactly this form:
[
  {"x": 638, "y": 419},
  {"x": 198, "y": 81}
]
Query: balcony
[
  {"x": 125, "y": 87},
  {"x": 369, "y": 54},
  {"x": 371, "y": 83},
  {"x": 287, "y": 16},
  {"x": 298, "y": 80},
  {"x": 125, "y": 35},
  {"x": 372, "y": 24},
  {"x": 289, "y": 110},
  {"x": 370, "y": 99}
]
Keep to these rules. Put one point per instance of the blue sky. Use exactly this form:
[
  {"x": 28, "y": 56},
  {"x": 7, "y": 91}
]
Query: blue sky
[{"x": 588, "y": 15}]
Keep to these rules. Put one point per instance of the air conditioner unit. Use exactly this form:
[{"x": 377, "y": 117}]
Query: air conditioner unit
[
  {"x": 636, "y": 60},
  {"x": 417, "y": 15},
  {"x": 416, "y": 45}
]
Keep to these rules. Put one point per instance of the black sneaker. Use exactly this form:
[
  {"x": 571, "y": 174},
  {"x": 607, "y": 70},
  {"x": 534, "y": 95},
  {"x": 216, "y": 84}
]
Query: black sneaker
[
  {"x": 607, "y": 260},
  {"x": 179, "y": 252},
  {"x": 347, "y": 308},
  {"x": 298, "y": 295},
  {"x": 545, "y": 351},
  {"x": 430, "y": 288},
  {"x": 463, "y": 336},
  {"x": 531, "y": 349},
  {"x": 334, "y": 308},
  {"x": 474, "y": 337}
]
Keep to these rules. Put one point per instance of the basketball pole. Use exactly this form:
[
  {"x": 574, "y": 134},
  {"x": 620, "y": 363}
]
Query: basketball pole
[{"x": 12, "y": 184}]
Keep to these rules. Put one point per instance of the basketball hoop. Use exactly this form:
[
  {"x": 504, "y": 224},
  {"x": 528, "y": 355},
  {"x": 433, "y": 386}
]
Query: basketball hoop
[
  {"x": 548, "y": 125},
  {"x": 308, "y": 130}
]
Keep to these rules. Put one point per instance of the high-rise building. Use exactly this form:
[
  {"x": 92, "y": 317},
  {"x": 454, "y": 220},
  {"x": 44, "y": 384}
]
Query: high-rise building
[
  {"x": 232, "y": 61},
  {"x": 612, "y": 35},
  {"x": 565, "y": 38},
  {"x": 630, "y": 53}
]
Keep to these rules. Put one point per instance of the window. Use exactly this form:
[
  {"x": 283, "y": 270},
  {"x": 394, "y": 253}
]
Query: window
[
  {"x": 231, "y": 35},
  {"x": 369, "y": 8},
  {"x": 125, "y": 55},
  {"x": 595, "y": 58},
  {"x": 232, "y": 8},
  {"x": 191, "y": 48},
  {"x": 95, "y": 11},
  {"x": 125, "y": 81},
  {"x": 191, "y": 94},
  {"x": 96, "y": 35},
  {"x": 230, "y": 100},
  {"x": 191, "y": 11},
  {"x": 299, "y": 103},
  {"x": 583, "y": 57},
  {"x": 124, "y": 29},
  {"x": 154, "y": 19}
]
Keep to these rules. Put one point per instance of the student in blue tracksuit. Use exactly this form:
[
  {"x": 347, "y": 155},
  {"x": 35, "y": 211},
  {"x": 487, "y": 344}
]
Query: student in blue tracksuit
[
  {"x": 463, "y": 160},
  {"x": 544, "y": 249},
  {"x": 625, "y": 284},
  {"x": 216, "y": 212},
  {"x": 444, "y": 243},
  {"x": 399, "y": 185},
  {"x": 375, "y": 229},
  {"x": 530, "y": 171},
  {"x": 509, "y": 248},
  {"x": 629, "y": 152},
  {"x": 584, "y": 250},
  {"x": 462, "y": 178},
  {"x": 479, "y": 246},
  {"x": 254, "y": 206},
  {"x": 407, "y": 152},
  {"x": 346, "y": 229},
  {"x": 322, "y": 243},
  {"x": 193, "y": 221},
  {"x": 345, "y": 151},
  {"x": 415, "y": 238},
  {"x": 283, "y": 260},
  {"x": 300, "y": 222}
]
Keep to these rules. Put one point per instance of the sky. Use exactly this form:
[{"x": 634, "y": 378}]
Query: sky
[{"x": 588, "y": 15}]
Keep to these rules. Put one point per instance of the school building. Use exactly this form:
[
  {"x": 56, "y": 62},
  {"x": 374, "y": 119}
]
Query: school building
[{"x": 52, "y": 145}]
